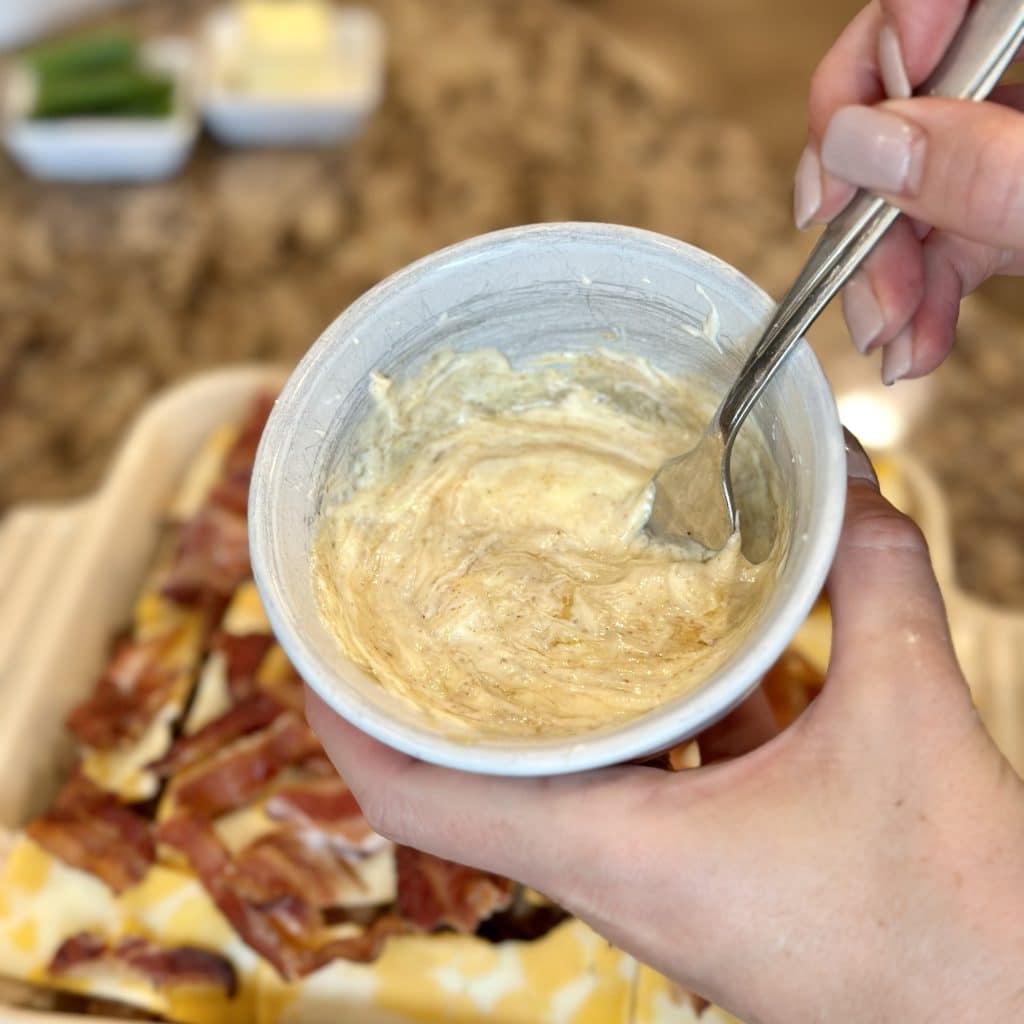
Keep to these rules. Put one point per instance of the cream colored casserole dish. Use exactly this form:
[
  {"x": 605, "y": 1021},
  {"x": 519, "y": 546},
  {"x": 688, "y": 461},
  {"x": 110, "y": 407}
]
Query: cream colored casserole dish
[{"x": 73, "y": 575}]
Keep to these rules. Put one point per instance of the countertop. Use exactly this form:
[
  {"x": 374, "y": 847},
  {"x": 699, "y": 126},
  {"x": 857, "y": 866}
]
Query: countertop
[{"x": 496, "y": 114}]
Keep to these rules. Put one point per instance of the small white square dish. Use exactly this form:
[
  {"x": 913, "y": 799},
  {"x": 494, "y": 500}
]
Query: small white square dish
[
  {"x": 107, "y": 149},
  {"x": 312, "y": 80}
]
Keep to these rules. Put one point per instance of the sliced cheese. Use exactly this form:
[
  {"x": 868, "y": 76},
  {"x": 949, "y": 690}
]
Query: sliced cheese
[
  {"x": 245, "y": 613},
  {"x": 212, "y": 698},
  {"x": 661, "y": 1001},
  {"x": 203, "y": 473}
]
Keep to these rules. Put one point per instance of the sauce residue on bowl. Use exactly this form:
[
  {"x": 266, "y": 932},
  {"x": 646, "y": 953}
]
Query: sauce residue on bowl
[{"x": 484, "y": 554}]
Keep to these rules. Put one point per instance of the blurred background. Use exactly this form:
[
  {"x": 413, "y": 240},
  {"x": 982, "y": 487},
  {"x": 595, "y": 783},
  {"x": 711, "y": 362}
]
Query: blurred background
[{"x": 231, "y": 226}]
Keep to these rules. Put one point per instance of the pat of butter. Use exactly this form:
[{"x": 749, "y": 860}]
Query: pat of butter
[{"x": 282, "y": 26}]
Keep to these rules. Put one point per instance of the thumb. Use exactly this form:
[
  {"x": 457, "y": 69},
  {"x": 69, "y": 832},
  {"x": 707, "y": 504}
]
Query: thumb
[
  {"x": 953, "y": 164},
  {"x": 888, "y": 615}
]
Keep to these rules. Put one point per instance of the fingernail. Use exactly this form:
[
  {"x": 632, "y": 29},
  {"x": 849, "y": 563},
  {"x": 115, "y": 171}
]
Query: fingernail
[
  {"x": 862, "y": 311},
  {"x": 920, "y": 228},
  {"x": 890, "y": 60},
  {"x": 897, "y": 357},
  {"x": 807, "y": 191},
  {"x": 858, "y": 463},
  {"x": 874, "y": 149}
]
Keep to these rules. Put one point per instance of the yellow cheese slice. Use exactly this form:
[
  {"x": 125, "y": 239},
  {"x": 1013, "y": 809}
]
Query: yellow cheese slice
[
  {"x": 44, "y": 901},
  {"x": 245, "y": 613},
  {"x": 203, "y": 473},
  {"x": 660, "y": 1001},
  {"x": 570, "y": 976}
]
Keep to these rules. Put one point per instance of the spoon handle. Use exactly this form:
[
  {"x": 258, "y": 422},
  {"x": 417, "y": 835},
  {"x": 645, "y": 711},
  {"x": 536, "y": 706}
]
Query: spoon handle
[{"x": 991, "y": 34}]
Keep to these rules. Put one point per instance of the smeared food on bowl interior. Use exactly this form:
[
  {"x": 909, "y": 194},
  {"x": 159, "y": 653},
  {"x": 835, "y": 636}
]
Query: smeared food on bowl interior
[{"x": 484, "y": 554}]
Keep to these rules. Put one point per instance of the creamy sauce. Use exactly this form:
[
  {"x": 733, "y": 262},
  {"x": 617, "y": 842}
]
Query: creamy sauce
[{"x": 485, "y": 555}]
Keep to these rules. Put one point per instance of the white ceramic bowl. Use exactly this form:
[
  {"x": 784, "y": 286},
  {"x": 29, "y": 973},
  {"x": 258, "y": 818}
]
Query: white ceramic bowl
[{"x": 526, "y": 291}]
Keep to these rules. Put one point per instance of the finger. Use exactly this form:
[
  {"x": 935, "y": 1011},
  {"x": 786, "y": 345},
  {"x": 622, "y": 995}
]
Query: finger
[
  {"x": 958, "y": 166},
  {"x": 913, "y": 38},
  {"x": 847, "y": 74},
  {"x": 887, "y": 613},
  {"x": 953, "y": 267},
  {"x": 882, "y": 297},
  {"x": 526, "y": 829}
]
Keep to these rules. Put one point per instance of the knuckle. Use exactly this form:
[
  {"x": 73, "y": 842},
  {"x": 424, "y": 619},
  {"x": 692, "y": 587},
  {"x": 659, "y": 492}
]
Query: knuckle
[
  {"x": 887, "y": 531},
  {"x": 990, "y": 179}
]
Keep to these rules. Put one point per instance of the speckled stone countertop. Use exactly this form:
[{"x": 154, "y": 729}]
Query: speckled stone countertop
[{"x": 496, "y": 114}]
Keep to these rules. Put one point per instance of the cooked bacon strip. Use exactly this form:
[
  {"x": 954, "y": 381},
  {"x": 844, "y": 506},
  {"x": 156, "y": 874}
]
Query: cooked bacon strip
[
  {"x": 236, "y": 773},
  {"x": 243, "y": 452},
  {"x": 365, "y": 947},
  {"x": 433, "y": 892},
  {"x": 290, "y": 861},
  {"x": 246, "y": 717},
  {"x": 163, "y": 966},
  {"x": 267, "y": 899},
  {"x": 90, "y": 830},
  {"x": 242, "y": 656},
  {"x": 128, "y": 695},
  {"x": 328, "y": 806},
  {"x": 271, "y": 923},
  {"x": 212, "y": 557}
]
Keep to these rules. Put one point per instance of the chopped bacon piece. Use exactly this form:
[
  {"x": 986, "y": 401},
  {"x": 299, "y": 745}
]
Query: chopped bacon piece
[
  {"x": 163, "y": 966},
  {"x": 243, "y": 718},
  {"x": 433, "y": 892},
  {"x": 130, "y": 692},
  {"x": 269, "y": 900},
  {"x": 90, "y": 830},
  {"x": 328, "y": 806},
  {"x": 242, "y": 655},
  {"x": 236, "y": 773},
  {"x": 212, "y": 557}
]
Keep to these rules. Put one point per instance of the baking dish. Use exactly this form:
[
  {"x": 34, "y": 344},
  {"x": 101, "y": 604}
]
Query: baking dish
[
  {"x": 74, "y": 573},
  {"x": 71, "y": 574}
]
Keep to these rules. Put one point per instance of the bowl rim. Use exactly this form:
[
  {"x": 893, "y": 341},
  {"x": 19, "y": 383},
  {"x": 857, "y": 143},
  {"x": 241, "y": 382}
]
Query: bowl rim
[{"x": 677, "y": 719}]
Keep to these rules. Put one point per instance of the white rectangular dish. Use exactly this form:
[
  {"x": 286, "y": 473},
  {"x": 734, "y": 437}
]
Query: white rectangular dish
[
  {"x": 239, "y": 118},
  {"x": 87, "y": 149},
  {"x": 70, "y": 576}
]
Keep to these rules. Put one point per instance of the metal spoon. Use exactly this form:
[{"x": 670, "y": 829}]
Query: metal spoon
[{"x": 693, "y": 494}]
